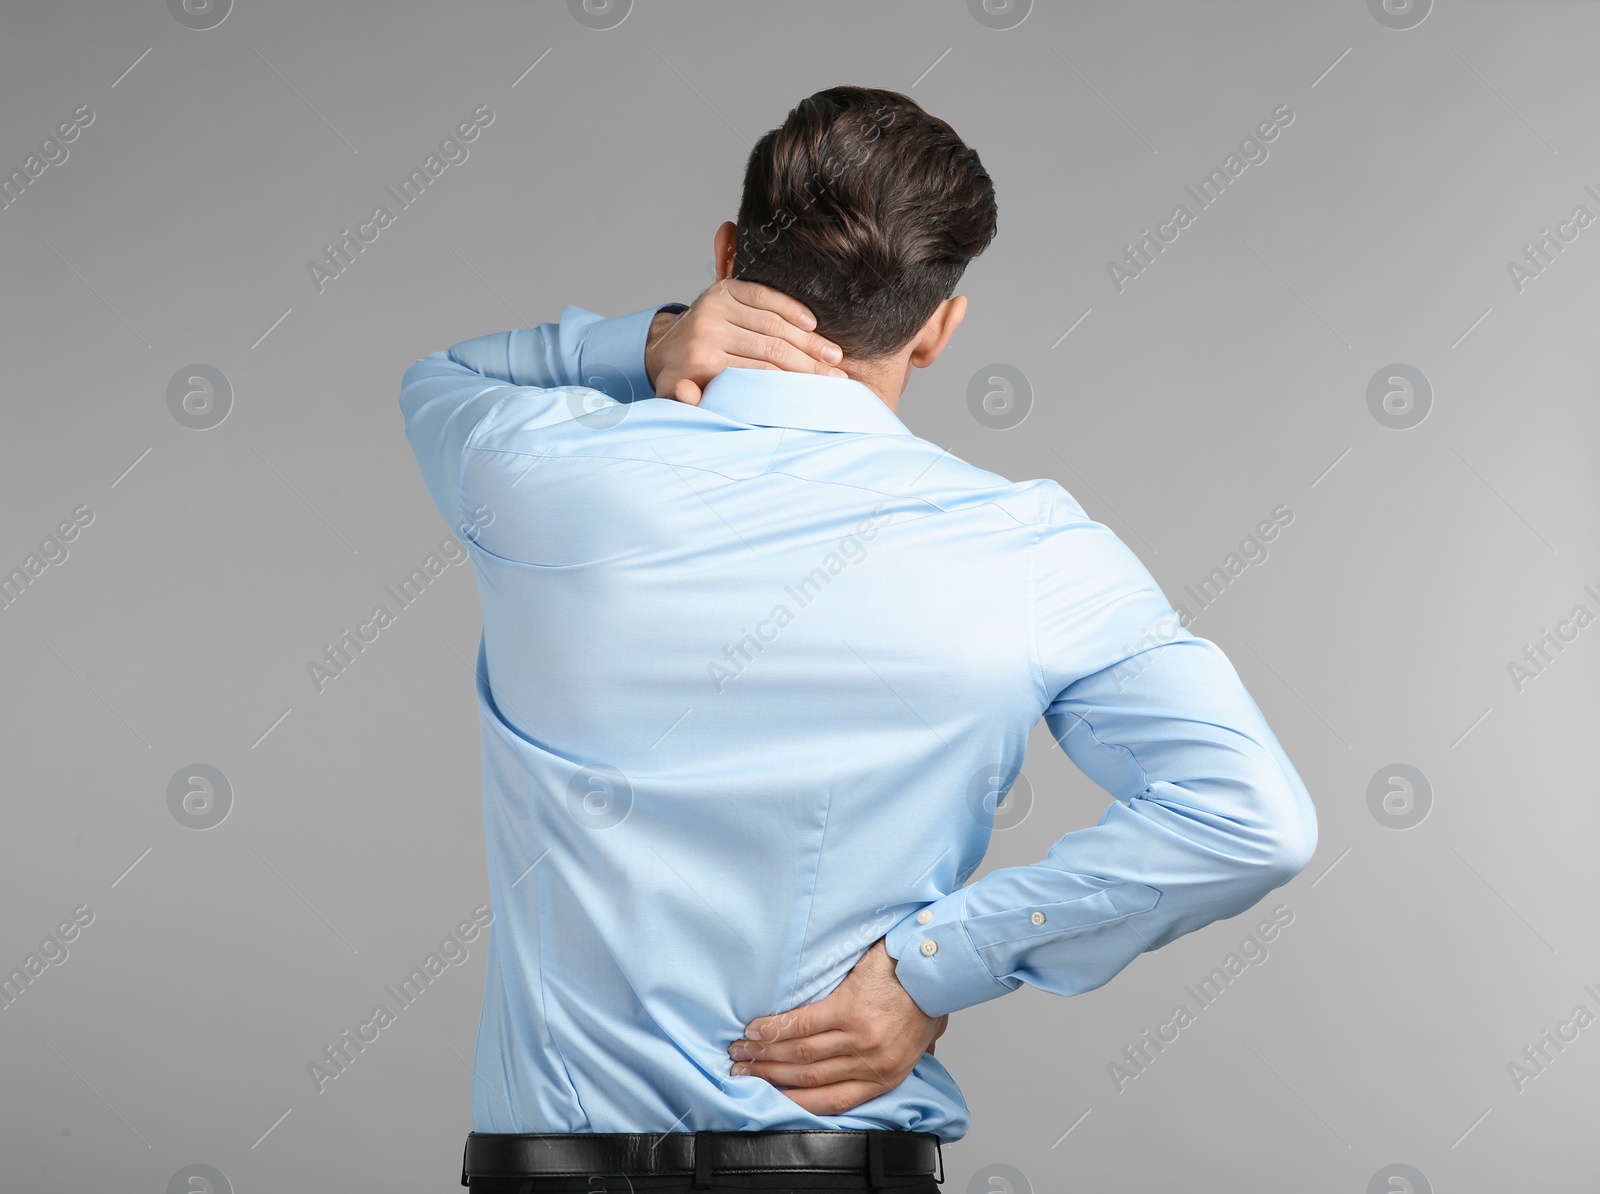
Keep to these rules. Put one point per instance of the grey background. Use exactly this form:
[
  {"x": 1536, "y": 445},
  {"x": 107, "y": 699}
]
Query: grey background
[{"x": 1228, "y": 379}]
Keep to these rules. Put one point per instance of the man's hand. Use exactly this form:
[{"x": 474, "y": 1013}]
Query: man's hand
[
  {"x": 862, "y": 1040},
  {"x": 743, "y": 324}
]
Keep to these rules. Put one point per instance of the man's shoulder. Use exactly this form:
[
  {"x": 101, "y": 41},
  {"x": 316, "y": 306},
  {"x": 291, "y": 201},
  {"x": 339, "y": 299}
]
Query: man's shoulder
[{"x": 951, "y": 482}]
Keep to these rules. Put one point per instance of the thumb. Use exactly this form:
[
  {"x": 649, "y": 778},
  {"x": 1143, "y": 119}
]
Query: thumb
[{"x": 686, "y": 392}]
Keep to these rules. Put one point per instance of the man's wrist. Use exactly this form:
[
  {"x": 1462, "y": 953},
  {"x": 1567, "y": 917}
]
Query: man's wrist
[
  {"x": 660, "y": 325},
  {"x": 936, "y": 962}
]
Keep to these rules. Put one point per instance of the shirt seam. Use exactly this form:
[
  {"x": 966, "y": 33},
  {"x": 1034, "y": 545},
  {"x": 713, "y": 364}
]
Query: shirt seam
[
  {"x": 730, "y": 477},
  {"x": 467, "y": 445},
  {"x": 977, "y": 950},
  {"x": 811, "y": 900},
  {"x": 549, "y": 1032},
  {"x": 1144, "y": 776},
  {"x": 766, "y": 468},
  {"x": 1115, "y": 917},
  {"x": 1046, "y": 699}
]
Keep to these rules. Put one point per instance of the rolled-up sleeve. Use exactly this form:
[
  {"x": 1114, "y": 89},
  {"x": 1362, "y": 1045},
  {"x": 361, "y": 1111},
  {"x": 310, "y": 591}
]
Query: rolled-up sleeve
[{"x": 1208, "y": 813}]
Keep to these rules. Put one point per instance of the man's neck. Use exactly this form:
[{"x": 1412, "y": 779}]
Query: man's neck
[{"x": 888, "y": 381}]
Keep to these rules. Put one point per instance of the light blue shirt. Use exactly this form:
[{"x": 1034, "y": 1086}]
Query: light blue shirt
[{"x": 751, "y": 678}]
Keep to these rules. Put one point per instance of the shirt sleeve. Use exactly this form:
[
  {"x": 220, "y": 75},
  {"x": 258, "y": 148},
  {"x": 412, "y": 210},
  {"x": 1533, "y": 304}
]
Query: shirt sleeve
[
  {"x": 1209, "y": 815},
  {"x": 446, "y": 395}
]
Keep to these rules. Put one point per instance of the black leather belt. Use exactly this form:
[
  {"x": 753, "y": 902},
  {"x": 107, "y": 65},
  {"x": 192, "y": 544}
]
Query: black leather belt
[{"x": 874, "y": 1154}]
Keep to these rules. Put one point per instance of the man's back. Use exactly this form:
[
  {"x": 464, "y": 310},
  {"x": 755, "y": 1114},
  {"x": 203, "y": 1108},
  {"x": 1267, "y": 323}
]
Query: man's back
[{"x": 752, "y": 673}]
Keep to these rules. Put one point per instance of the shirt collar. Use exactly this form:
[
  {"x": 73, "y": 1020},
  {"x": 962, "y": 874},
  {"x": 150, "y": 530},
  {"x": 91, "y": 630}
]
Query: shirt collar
[{"x": 805, "y": 401}]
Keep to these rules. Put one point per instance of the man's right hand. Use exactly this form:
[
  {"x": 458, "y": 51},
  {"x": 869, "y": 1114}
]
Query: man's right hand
[
  {"x": 734, "y": 323},
  {"x": 863, "y": 1039}
]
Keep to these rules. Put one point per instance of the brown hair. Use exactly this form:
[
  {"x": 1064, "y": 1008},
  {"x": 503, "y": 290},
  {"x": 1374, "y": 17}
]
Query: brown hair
[{"x": 866, "y": 209}]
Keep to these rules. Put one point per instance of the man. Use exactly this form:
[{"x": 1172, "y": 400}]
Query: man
[{"x": 756, "y": 665}]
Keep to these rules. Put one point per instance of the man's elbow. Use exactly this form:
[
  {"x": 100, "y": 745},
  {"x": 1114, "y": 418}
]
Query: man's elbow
[
  {"x": 414, "y": 390},
  {"x": 1294, "y": 841}
]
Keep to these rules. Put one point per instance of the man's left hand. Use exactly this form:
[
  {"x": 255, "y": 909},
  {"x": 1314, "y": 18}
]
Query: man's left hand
[{"x": 863, "y": 1039}]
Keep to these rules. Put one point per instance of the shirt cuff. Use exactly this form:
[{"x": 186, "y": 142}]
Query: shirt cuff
[
  {"x": 612, "y": 356},
  {"x": 936, "y": 961}
]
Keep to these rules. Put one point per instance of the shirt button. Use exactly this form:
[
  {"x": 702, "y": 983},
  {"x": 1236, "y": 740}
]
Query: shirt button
[
  {"x": 1038, "y": 918},
  {"x": 929, "y": 948},
  {"x": 924, "y": 917}
]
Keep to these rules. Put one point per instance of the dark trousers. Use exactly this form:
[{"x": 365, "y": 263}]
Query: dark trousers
[{"x": 772, "y": 1183}]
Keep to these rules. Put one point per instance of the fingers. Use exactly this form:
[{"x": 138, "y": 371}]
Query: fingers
[
  {"x": 784, "y": 345},
  {"x": 832, "y": 1043},
  {"x": 806, "y": 1020},
  {"x": 836, "y": 1099},
  {"x": 772, "y": 314},
  {"x": 755, "y": 294},
  {"x": 746, "y": 325},
  {"x": 827, "y": 1072},
  {"x": 771, "y": 332}
]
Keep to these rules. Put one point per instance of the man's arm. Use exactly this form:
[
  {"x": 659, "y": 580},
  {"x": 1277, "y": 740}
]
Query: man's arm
[
  {"x": 1209, "y": 816},
  {"x": 446, "y": 395},
  {"x": 674, "y": 348}
]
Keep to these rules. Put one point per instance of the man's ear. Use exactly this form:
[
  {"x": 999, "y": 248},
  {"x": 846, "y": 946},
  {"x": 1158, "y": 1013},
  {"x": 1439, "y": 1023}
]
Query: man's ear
[
  {"x": 723, "y": 246},
  {"x": 936, "y": 333}
]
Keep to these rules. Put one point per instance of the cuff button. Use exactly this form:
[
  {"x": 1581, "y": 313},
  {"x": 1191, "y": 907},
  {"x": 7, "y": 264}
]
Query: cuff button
[
  {"x": 924, "y": 917},
  {"x": 929, "y": 948}
]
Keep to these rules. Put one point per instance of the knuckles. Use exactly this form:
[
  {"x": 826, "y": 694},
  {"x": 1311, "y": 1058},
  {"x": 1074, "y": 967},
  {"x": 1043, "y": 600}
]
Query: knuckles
[{"x": 697, "y": 360}]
